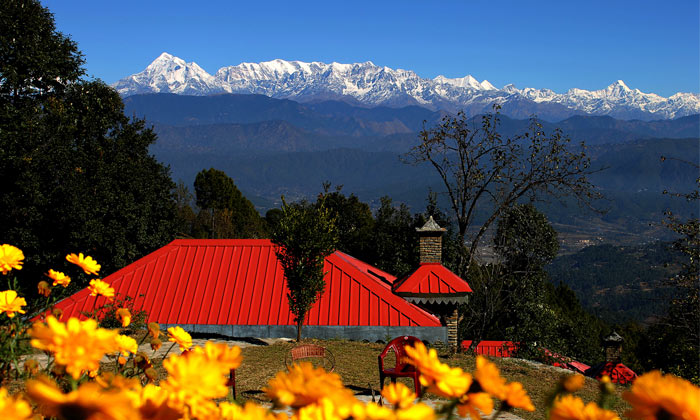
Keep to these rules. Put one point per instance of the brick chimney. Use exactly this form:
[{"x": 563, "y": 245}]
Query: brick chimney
[
  {"x": 613, "y": 347},
  {"x": 430, "y": 242}
]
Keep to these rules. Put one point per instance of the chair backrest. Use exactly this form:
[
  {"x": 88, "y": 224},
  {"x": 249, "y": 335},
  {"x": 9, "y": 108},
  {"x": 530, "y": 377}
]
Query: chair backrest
[
  {"x": 397, "y": 345},
  {"x": 310, "y": 351}
]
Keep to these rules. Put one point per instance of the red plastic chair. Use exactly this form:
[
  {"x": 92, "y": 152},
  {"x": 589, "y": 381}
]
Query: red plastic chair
[{"x": 401, "y": 369}]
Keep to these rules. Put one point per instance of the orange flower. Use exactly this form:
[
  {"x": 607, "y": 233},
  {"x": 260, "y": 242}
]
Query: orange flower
[
  {"x": 99, "y": 287},
  {"x": 124, "y": 316},
  {"x": 489, "y": 378},
  {"x": 440, "y": 378},
  {"x": 515, "y": 396},
  {"x": 152, "y": 403},
  {"x": 181, "y": 337},
  {"x": 155, "y": 344},
  {"x": 14, "y": 408},
  {"x": 192, "y": 378},
  {"x": 153, "y": 329},
  {"x": 10, "y": 258},
  {"x": 87, "y": 263},
  {"x": 77, "y": 345},
  {"x": 303, "y": 385},
  {"x": 59, "y": 278},
  {"x": 570, "y": 407},
  {"x": 126, "y": 344},
  {"x": 43, "y": 288},
  {"x": 90, "y": 401},
  {"x": 398, "y": 394},
  {"x": 655, "y": 396},
  {"x": 573, "y": 383},
  {"x": 249, "y": 411},
  {"x": 10, "y": 303},
  {"x": 470, "y": 403},
  {"x": 228, "y": 357}
]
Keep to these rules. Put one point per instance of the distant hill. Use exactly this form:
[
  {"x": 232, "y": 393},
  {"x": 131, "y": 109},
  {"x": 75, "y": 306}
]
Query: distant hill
[{"x": 619, "y": 283}]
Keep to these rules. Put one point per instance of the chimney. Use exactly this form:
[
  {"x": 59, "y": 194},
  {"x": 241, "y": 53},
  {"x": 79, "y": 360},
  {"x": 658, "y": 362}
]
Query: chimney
[
  {"x": 613, "y": 347},
  {"x": 430, "y": 242}
]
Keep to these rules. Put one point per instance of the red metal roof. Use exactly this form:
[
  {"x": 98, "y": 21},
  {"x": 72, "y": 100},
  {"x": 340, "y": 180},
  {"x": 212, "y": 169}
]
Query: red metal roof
[
  {"x": 432, "y": 279},
  {"x": 618, "y": 372},
  {"x": 493, "y": 348},
  {"x": 240, "y": 282}
]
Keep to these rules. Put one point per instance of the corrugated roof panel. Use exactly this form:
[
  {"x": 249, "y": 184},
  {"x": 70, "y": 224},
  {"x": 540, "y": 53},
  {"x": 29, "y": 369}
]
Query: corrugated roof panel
[
  {"x": 241, "y": 282},
  {"x": 431, "y": 278}
]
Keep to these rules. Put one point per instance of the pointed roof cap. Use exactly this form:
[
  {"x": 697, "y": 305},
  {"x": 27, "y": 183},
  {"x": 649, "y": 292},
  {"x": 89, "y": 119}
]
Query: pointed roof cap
[
  {"x": 430, "y": 226},
  {"x": 613, "y": 338},
  {"x": 432, "y": 283}
]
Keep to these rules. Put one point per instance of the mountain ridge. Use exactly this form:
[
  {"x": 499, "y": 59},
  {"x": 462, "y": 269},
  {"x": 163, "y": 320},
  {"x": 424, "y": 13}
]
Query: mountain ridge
[{"x": 371, "y": 85}]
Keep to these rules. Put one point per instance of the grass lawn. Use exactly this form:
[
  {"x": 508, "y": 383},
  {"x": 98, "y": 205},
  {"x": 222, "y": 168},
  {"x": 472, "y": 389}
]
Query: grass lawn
[{"x": 356, "y": 363}]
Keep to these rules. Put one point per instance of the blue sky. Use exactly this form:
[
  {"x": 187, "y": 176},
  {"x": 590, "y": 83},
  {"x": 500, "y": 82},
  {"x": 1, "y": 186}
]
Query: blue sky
[{"x": 653, "y": 46}]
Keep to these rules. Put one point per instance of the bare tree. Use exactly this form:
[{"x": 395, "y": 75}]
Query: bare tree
[{"x": 481, "y": 170}]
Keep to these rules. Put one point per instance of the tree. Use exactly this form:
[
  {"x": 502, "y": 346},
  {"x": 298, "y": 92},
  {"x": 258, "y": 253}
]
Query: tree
[
  {"x": 395, "y": 239},
  {"x": 226, "y": 213},
  {"x": 483, "y": 171},
  {"x": 305, "y": 235},
  {"x": 77, "y": 174}
]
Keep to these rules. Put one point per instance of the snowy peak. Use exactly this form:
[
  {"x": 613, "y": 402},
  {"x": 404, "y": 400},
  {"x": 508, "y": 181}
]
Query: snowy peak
[{"x": 373, "y": 85}]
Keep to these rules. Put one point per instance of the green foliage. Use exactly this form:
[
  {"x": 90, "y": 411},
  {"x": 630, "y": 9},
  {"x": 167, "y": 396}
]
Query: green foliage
[
  {"x": 77, "y": 174},
  {"x": 224, "y": 211},
  {"x": 525, "y": 239},
  {"x": 305, "y": 235},
  {"x": 396, "y": 241}
]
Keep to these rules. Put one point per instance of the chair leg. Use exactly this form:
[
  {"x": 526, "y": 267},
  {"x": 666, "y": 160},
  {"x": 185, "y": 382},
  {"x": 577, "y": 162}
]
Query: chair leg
[{"x": 416, "y": 384}]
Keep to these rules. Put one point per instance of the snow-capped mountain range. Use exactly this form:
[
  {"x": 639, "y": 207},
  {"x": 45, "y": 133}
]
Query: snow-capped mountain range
[{"x": 370, "y": 85}]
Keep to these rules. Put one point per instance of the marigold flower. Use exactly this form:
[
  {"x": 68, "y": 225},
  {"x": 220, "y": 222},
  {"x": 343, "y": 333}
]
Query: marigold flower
[
  {"x": 87, "y": 263},
  {"x": 470, "y": 403},
  {"x": 10, "y": 303},
  {"x": 570, "y": 407},
  {"x": 124, "y": 316},
  {"x": 90, "y": 401},
  {"x": 228, "y": 357},
  {"x": 515, "y": 396},
  {"x": 126, "y": 344},
  {"x": 573, "y": 383},
  {"x": 440, "y": 378},
  {"x": 249, "y": 411},
  {"x": 489, "y": 378},
  {"x": 303, "y": 385},
  {"x": 655, "y": 396},
  {"x": 153, "y": 329},
  {"x": 77, "y": 345},
  {"x": 181, "y": 337},
  {"x": 59, "y": 278},
  {"x": 142, "y": 361},
  {"x": 398, "y": 394},
  {"x": 43, "y": 288},
  {"x": 99, "y": 287},
  {"x": 193, "y": 378},
  {"x": 418, "y": 411},
  {"x": 57, "y": 313},
  {"x": 372, "y": 411},
  {"x": 10, "y": 258},
  {"x": 13, "y": 407},
  {"x": 155, "y": 344},
  {"x": 152, "y": 403}
]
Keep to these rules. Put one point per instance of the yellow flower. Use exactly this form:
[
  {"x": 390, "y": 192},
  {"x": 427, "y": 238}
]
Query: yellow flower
[
  {"x": 398, "y": 394},
  {"x": 440, "y": 378},
  {"x": 77, "y": 345},
  {"x": 10, "y": 303},
  {"x": 14, "y": 408},
  {"x": 303, "y": 385},
  {"x": 193, "y": 378},
  {"x": 570, "y": 407},
  {"x": 87, "y": 263},
  {"x": 372, "y": 411},
  {"x": 43, "y": 288},
  {"x": 10, "y": 258},
  {"x": 59, "y": 278},
  {"x": 126, "y": 344},
  {"x": 515, "y": 396},
  {"x": 181, "y": 337},
  {"x": 89, "y": 402},
  {"x": 228, "y": 357},
  {"x": 153, "y": 329},
  {"x": 470, "y": 403},
  {"x": 124, "y": 316},
  {"x": 489, "y": 378},
  {"x": 250, "y": 411},
  {"x": 573, "y": 383},
  {"x": 321, "y": 410},
  {"x": 418, "y": 411},
  {"x": 655, "y": 396},
  {"x": 152, "y": 403},
  {"x": 99, "y": 287}
]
